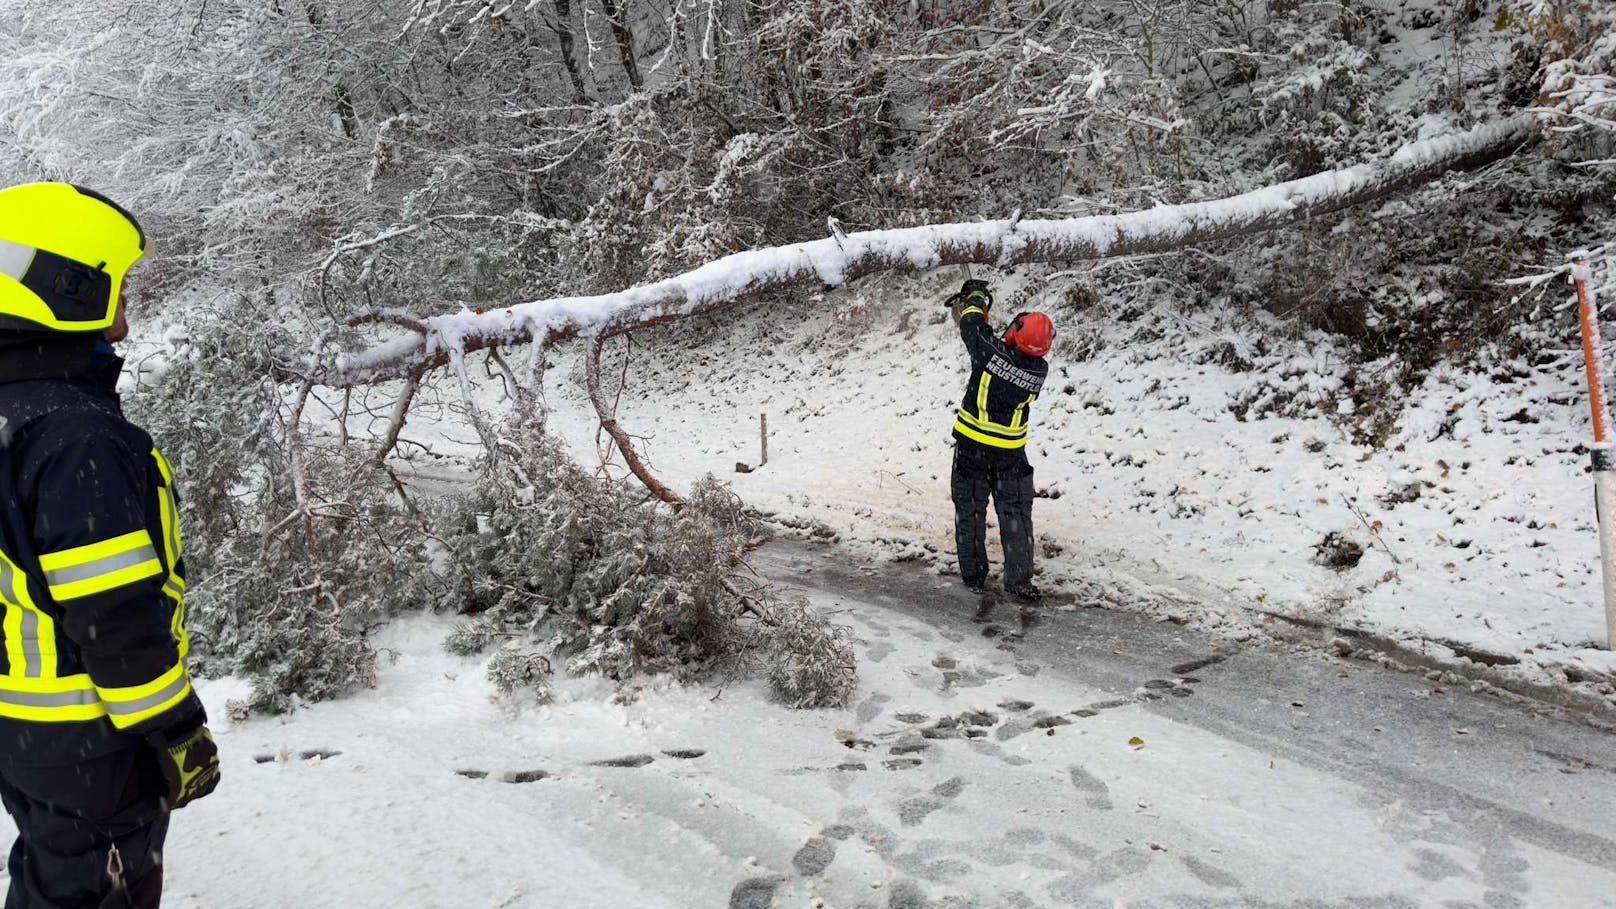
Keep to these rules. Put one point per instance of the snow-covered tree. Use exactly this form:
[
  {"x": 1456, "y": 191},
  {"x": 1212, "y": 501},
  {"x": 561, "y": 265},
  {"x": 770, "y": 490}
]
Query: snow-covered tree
[{"x": 341, "y": 170}]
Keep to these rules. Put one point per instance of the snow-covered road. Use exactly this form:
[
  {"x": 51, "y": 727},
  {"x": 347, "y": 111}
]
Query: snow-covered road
[{"x": 1103, "y": 759}]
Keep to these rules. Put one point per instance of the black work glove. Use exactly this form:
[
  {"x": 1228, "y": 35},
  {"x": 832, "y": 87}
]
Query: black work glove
[
  {"x": 189, "y": 761},
  {"x": 977, "y": 289}
]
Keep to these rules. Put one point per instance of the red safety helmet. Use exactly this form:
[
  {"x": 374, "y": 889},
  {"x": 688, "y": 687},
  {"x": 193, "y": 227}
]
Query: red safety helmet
[{"x": 1031, "y": 332}]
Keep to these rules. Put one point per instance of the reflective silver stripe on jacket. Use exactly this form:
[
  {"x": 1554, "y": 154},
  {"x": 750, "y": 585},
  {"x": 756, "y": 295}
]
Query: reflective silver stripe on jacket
[
  {"x": 33, "y": 661},
  {"x": 49, "y": 699},
  {"x": 169, "y": 691},
  {"x": 102, "y": 566}
]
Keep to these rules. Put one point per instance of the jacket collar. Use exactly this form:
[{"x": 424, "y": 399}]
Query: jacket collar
[{"x": 37, "y": 355}]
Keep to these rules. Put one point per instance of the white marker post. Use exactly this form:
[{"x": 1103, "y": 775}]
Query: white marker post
[{"x": 1603, "y": 453}]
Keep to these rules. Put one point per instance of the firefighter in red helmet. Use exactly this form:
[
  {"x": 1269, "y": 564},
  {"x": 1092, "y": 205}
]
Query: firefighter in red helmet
[{"x": 990, "y": 438}]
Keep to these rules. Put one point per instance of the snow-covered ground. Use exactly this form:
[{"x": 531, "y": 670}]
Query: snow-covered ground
[
  {"x": 971, "y": 771},
  {"x": 1172, "y": 484},
  {"x": 431, "y": 791}
]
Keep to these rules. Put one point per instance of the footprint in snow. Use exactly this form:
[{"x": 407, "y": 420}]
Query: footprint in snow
[
  {"x": 1202, "y": 663},
  {"x": 1155, "y": 688},
  {"x": 907, "y": 895},
  {"x": 509, "y": 776},
  {"x": 913, "y": 810},
  {"x": 630, "y": 761},
  {"x": 870, "y": 707},
  {"x": 312, "y": 756},
  {"x": 1108, "y": 704},
  {"x": 755, "y": 893},
  {"x": 1113, "y": 866},
  {"x": 1099, "y": 794},
  {"x": 992, "y": 750},
  {"x": 1209, "y": 874},
  {"x": 814, "y": 856},
  {"x": 879, "y": 651},
  {"x": 1016, "y": 726},
  {"x": 524, "y": 776}
]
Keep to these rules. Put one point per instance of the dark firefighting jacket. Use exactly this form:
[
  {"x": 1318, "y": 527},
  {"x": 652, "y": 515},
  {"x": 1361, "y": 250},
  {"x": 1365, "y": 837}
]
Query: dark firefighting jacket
[
  {"x": 997, "y": 409},
  {"x": 91, "y": 576}
]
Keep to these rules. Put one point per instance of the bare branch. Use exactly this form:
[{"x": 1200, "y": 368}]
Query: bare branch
[
  {"x": 395, "y": 424},
  {"x": 608, "y": 422}
]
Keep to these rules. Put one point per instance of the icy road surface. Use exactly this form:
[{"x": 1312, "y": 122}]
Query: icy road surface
[{"x": 1100, "y": 760}]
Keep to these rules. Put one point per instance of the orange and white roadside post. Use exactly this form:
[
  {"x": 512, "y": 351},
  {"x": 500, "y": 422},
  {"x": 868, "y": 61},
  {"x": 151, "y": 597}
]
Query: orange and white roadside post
[{"x": 1603, "y": 453}]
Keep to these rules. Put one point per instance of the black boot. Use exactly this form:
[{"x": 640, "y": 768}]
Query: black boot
[{"x": 1026, "y": 591}]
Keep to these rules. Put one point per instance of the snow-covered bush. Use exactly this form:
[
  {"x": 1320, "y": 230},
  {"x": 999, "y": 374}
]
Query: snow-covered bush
[
  {"x": 1576, "y": 40},
  {"x": 622, "y": 586}
]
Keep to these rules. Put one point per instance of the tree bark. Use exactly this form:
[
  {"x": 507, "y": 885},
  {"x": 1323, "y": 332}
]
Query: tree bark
[
  {"x": 563, "y": 30},
  {"x": 838, "y": 260},
  {"x": 618, "y": 16}
]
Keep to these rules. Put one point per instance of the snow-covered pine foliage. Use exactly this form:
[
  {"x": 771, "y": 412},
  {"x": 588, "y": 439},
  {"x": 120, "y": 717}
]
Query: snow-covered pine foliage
[
  {"x": 545, "y": 557},
  {"x": 279, "y": 594},
  {"x": 620, "y": 585}
]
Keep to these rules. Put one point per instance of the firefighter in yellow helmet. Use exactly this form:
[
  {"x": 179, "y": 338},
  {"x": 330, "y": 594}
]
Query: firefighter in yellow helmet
[{"x": 101, "y": 735}]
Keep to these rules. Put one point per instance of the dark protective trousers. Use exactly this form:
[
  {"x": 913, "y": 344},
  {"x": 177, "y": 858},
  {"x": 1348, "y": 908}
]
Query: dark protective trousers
[
  {"x": 1009, "y": 483},
  {"x": 70, "y": 815}
]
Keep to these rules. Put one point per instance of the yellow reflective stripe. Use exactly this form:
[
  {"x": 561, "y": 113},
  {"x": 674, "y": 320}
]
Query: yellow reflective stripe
[
  {"x": 112, "y": 573},
  {"x": 17, "y": 656},
  {"x": 175, "y": 589},
  {"x": 168, "y": 515},
  {"x": 972, "y": 309},
  {"x": 79, "y": 555},
  {"x": 30, "y": 633},
  {"x": 136, "y": 704},
  {"x": 986, "y": 439},
  {"x": 163, "y": 467},
  {"x": 982, "y": 396},
  {"x": 967, "y": 418},
  {"x": 99, "y": 567},
  {"x": 1021, "y": 412},
  {"x": 173, "y": 548},
  {"x": 169, "y": 508},
  {"x": 48, "y": 700}
]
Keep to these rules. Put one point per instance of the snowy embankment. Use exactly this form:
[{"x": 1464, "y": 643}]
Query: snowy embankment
[{"x": 1169, "y": 482}]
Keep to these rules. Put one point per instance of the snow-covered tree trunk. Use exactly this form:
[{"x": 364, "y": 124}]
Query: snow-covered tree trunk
[{"x": 842, "y": 258}]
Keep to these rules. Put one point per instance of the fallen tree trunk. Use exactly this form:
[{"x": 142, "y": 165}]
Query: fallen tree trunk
[{"x": 842, "y": 258}]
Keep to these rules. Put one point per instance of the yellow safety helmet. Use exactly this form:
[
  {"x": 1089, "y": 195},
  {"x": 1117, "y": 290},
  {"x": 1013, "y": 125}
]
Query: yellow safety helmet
[{"x": 64, "y": 251}]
